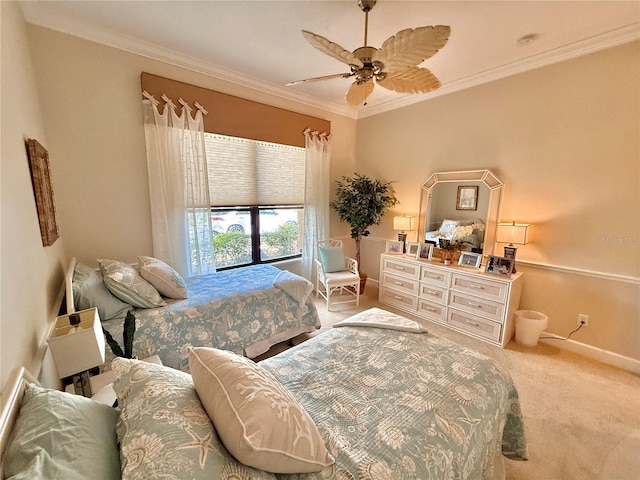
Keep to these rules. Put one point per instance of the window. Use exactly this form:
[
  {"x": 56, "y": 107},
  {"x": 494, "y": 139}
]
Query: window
[{"x": 257, "y": 192}]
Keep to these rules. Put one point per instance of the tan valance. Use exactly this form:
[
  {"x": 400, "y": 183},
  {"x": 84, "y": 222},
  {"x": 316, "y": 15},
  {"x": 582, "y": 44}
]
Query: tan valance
[{"x": 238, "y": 117}]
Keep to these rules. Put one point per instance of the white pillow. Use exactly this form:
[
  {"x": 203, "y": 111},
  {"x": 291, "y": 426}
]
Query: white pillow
[
  {"x": 259, "y": 421},
  {"x": 164, "y": 278},
  {"x": 125, "y": 282}
]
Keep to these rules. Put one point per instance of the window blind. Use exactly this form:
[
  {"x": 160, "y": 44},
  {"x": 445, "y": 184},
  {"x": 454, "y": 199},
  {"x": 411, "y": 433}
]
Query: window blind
[{"x": 249, "y": 172}]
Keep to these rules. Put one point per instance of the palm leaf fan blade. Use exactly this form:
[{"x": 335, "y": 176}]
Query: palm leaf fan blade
[
  {"x": 358, "y": 92},
  {"x": 411, "y": 47},
  {"x": 332, "y": 49},
  {"x": 410, "y": 80}
]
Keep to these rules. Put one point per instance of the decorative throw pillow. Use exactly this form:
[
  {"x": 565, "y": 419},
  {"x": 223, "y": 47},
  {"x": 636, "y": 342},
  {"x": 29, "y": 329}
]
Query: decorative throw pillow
[
  {"x": 332, "y": 258},
  {"x": 447, "y": 226},
  {"x": 126, "y": 283},
  {"x": 258, "y": 419},
  {"x": 164, "y": 278},
  {"x": 164, "y": 431},
  {"x": 59, "y": 435},
  {"x": 90, "y": 291}
]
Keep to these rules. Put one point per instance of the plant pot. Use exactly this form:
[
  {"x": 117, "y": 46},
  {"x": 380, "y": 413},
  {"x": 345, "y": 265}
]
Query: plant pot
[{"x": 363, "y": 282}]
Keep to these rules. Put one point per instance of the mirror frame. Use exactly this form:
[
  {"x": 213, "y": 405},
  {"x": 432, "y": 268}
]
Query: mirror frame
[{"x": 488, "y": 178}]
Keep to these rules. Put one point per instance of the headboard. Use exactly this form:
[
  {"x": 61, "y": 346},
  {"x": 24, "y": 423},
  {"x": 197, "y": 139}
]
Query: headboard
[
  {"x": 11, "y": 399},
  {"x": 68, "y": 285}
]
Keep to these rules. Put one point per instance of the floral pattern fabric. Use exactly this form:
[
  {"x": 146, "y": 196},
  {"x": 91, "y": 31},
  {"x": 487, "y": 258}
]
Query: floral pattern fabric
[
  {"x": 230, "y": 310},
  {"x": 394, "y": 405}
]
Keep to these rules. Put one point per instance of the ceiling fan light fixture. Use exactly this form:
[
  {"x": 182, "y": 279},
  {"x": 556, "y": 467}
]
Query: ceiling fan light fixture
[{"x": 394, "y": 65}]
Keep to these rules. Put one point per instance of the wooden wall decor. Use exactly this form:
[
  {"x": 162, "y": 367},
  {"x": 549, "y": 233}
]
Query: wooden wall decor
[{"x": 43, "y": 189}]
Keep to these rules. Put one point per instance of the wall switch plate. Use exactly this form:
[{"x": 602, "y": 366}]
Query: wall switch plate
[{"x": 582, "y": 318}]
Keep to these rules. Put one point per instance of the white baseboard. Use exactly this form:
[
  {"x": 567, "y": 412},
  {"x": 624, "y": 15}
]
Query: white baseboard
[{"x": 595, "y": 353}]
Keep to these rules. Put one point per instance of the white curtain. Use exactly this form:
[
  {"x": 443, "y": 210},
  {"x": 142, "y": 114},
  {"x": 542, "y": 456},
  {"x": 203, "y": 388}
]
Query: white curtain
[
  {"x": 316, "y": 197},
  {"x": 178, "y": 186}
]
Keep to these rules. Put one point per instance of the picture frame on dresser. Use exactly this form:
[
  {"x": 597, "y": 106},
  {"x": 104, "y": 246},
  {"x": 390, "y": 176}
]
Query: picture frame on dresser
[
  {"x": 425, "y": 251},
  {"x": 499, "y": 266},
  {"x": 412, "y": 249},
  {"x": 394, "y": 246},
  {"x": 470, "y": 259}
]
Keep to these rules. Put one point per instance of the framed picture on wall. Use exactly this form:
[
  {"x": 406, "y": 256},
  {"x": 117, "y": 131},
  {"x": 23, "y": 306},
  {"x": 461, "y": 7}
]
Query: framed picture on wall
[
  {"x": 43, "y": 190},
  {"x": 467, "y": 198},
  {"x": 425, "y": 251}
]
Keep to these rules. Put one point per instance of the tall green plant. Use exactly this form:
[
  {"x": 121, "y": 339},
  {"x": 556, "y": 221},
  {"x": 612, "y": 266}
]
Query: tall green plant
[{"x": 361, "y": 202}]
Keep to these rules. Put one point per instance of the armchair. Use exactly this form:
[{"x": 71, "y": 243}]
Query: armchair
[{"x": 337, "y": 282}]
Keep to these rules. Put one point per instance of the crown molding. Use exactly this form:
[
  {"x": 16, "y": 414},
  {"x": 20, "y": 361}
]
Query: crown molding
[
  {"x": 614, "y": 38},
  {"x": 146, "y": 49}
]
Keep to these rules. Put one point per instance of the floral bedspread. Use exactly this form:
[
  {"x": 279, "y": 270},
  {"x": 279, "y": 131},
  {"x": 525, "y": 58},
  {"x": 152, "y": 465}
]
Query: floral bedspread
[
  {"x": 394, "y": 405},
  {"x": 238, "y": 310}
]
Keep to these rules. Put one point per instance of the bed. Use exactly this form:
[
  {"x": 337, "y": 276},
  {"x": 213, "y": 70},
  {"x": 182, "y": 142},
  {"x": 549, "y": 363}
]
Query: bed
[
  {"x": 245, "y": 310},
  {"x": 473, "y": 239},
  {"x": 386, "y": 399}
]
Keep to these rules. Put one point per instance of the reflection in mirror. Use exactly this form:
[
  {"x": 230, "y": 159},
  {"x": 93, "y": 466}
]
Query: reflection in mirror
[{"x": 448, "y": 202}]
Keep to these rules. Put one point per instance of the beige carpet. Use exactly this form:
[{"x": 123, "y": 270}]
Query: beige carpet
[{"x": 582, "y": 418}]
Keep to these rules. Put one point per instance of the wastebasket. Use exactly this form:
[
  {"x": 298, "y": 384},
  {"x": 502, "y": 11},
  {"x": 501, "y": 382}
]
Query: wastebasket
[{"x": 529, "y": 326}]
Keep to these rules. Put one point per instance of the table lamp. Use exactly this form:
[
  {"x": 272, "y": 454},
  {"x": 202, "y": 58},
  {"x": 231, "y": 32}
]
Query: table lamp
[
  {"x": 512, "y": 233},
  {"x": 402, "y": 223},
  {"x": 77, "y": 345}
]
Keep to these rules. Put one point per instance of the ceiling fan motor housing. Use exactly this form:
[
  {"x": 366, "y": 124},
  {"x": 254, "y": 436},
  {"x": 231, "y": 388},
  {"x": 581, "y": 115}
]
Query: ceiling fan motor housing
[{"x": 366, "y": 5}]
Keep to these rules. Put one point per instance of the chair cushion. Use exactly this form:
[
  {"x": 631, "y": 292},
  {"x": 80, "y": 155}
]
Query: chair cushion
[
  {"x": 342, "y": 278},
  {"x": 332, "y": 258}
]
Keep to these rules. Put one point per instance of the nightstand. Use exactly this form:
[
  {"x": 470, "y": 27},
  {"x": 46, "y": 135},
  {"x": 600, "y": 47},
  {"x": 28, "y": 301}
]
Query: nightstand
[{"x": 102, "y": 385}]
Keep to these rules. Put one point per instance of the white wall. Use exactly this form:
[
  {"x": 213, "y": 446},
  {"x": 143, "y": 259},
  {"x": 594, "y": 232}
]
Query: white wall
[
  {"x": 31, "y": 276},
  {"x": 565, "y": 140},
  {"x": 91, "y": 98}
]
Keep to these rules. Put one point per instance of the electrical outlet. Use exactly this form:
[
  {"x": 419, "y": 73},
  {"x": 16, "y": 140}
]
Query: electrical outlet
[{"x": 582, "y": 318}]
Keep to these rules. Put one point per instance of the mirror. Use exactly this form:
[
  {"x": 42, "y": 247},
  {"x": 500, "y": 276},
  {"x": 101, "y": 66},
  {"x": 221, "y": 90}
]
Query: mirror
[{"x": 463, "y": 197}]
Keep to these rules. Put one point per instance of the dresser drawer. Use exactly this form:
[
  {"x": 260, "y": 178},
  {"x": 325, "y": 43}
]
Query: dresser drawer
[
  {"x": 398, "y": 267},
  {"x": 431, "y": 310},
  {"x": 476, "y": 305},
  {"x": 435, "y": 276},
  {"x": 404, "y": 284},
  {"x": 473, "y": 324},
  {"x": 483, "y": 287},
  {"x": 432, "y": 293},
  {"x": 395, "y": 297}
]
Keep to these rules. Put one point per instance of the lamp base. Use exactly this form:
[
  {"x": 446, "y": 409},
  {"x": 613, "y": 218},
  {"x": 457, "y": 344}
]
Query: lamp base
[
  {"x": 510, "y": 253},
  {"x": 81, "y": 384}
]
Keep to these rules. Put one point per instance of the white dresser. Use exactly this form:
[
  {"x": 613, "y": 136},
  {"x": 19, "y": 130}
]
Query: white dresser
[{"x": 464, "y": 299}]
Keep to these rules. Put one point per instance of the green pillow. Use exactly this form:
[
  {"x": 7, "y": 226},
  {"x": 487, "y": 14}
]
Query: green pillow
[
  {"x": 60, "y": 435},
  {"x": 332, "y": 259}
]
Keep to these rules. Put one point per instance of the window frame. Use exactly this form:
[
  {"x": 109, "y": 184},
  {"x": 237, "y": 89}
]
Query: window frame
[{"x": 254, "y": 230}]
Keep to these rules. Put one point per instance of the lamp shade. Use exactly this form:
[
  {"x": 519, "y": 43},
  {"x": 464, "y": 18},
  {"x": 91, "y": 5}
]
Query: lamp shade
[
  {"x": 512, "y": 233},
  {"x": 403, "y": 222},
  {"x": 80, "y": 347}
]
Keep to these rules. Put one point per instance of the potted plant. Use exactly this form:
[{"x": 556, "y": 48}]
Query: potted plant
[{"x": 361, "y": 202}]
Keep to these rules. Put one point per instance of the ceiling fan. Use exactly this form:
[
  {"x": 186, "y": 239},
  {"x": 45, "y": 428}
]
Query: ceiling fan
[{"x": 393, "y": 66}]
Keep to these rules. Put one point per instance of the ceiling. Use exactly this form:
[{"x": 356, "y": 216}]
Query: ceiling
[{"x": 259, "y": 44}]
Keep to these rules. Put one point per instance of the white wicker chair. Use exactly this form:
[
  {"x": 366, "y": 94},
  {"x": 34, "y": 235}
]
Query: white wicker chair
[{"x": 338, "y": 283}]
